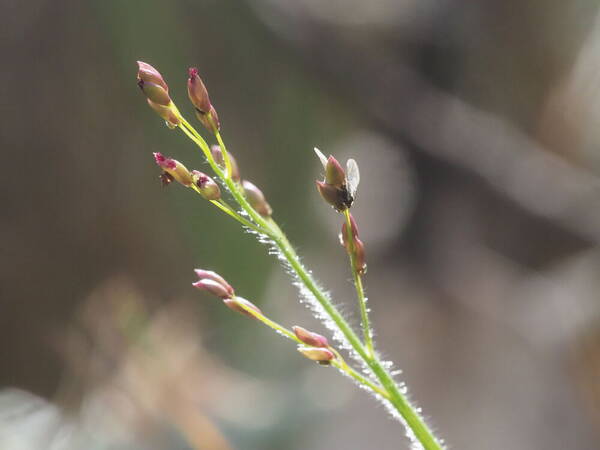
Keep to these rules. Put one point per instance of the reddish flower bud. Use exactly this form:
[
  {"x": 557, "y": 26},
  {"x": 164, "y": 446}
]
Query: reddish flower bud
[
  {"x": 256, "y": 199},
  {"x": 210, "y": 275},
  {"x": 334, "y": 173},
  {"x": 175, "y": 169},
  {"x": 339, "y": 198},
  {"x": 155, "y": 93},
  {"x": 310, "y": 338},
  {"x": 166, "y": 113},
  {"x": 236, "y": 303},
  {"x": 359, "y": 257},
  {"x": 149, "y": 74},
  {"x": 209, "y": 189},
  {"x": 210, "y": 120},
  {"x": 197, "y": 92},
  {"x": 220, "y": 160},
  {"x": 213, "y": 287},
  {"x": 320, "y": 355},
  {"x": 353, "y": 229}
]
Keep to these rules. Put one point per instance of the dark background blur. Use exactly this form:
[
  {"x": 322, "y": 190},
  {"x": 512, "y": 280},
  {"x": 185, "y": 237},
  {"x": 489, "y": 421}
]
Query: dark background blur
[{"x": 475, "y": 125}]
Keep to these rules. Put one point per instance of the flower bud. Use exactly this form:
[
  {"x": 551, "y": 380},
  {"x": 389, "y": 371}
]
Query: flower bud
[
  {"x": 353, "y": 230},
  {"x": 174, "y": 168},
  {"x": 320, "y": 355},
  {"x": 220, "y": 160},
  {"x": 256, "y": 199},
  {"x": 210, "y": 120},
  {"x": 155, "y": 93},
  {"x": 336, "y": 197},
  {"x": 209, "y": 189},
  {"x": 334, "y": 173},
  {"x": 197, "y": 91},
  {"x": 209, "y": 274},
  {"x": 149, "y": 74},
  {"x": 359, "y": 257},
  {"x": 166, "y": 113},
  {"x": 213, "y": 287},
  {"x": 310, "y": 338},
  {"x": 236, "y": 303}
]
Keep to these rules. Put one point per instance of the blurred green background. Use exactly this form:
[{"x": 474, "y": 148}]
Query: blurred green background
[{"x": 475, "y": 127}]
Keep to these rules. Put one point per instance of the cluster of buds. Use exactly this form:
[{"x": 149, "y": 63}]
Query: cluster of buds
[
  {"x": 173, "y": 170},
  {"x": 339, "y": 186},
  {"x": 205, "y": 112},
  {"x": 256, "y": 199},
  {"x": 317, "y": 347},
  {"x": 156, "y": 91},
  {"x": 354, "y": 246},
  {"x": 217, "y": 155},
  {"x": 215, "y": 284}
]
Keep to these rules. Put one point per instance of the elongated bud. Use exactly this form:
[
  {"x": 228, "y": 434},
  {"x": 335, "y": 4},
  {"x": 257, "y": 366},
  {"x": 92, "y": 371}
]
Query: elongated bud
[
  {"x": 237, "y": 304},
  {"x": 210, "y": 275},
  {"x": 149, "y": 74},
  {"x": 310, "y": 338},
  {"x": 256, "y": 199},
  {"x": 353, "y": 229},
  {"x": 197, "y": 91},
  {"x": 213, "y": 287},
  {"x": 174, "y": 168},
  {"x": 320, "y": 355},
  {"x": 220, "y": 160},
  {"x": 359, "y": 257},
  {"x": 205, "y": 111},
  {"x": 166, "y": 113},
  {"x": 209, "y": 189},
  {"x": 334, "y": 173},
  {"x": 336, "y": 197}
]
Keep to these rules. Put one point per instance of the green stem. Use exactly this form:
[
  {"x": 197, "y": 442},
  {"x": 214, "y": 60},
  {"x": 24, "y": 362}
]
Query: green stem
[
  {"x": 360, "y": 292},
  {"x": 398, "y": 400}
]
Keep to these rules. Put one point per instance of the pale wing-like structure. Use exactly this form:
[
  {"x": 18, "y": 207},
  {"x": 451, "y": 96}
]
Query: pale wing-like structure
[
  {"x": 322, "y": 157},
  {"x": 352, "y": 176}
]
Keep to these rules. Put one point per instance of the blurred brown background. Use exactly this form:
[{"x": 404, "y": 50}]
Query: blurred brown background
[{"x": 475, "y": 127}]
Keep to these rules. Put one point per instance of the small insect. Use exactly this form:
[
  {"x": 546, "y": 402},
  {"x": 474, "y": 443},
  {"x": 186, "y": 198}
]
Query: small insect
[{"x": 346, "y": 191}]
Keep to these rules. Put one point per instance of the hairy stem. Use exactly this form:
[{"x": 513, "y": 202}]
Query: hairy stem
[{"x": 270, "y": 228}]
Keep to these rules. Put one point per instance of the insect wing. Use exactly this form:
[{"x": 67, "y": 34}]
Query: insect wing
[
  {"x": 352, "y": 176},
  {"x": 322, "y": 157}
]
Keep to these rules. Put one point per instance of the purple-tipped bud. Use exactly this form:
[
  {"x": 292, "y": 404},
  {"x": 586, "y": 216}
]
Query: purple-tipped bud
[
  {"x": 149, "y": 74},
  {"x": 209, "y": 189},
  {"x": 213, "y": 287},
  {"x": 210, "y": 275},
  {"x": 320, "y": 355},
  {"x": 166, "y": 113},
  {"x": 175, "y": 169},
  {"x": 197, "y": 91},
  {"x": 220, "y": 160},
  {"x": 155, "y": 93},
  {"x": 256, "y": 199},
  {"x": 339, "y": 198},
  {"x": 359, "y": 257},
  {"x": 310, "y": 338},
  {"x": 237, "y": 304},
  {"x": 334, "y": 173}
]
